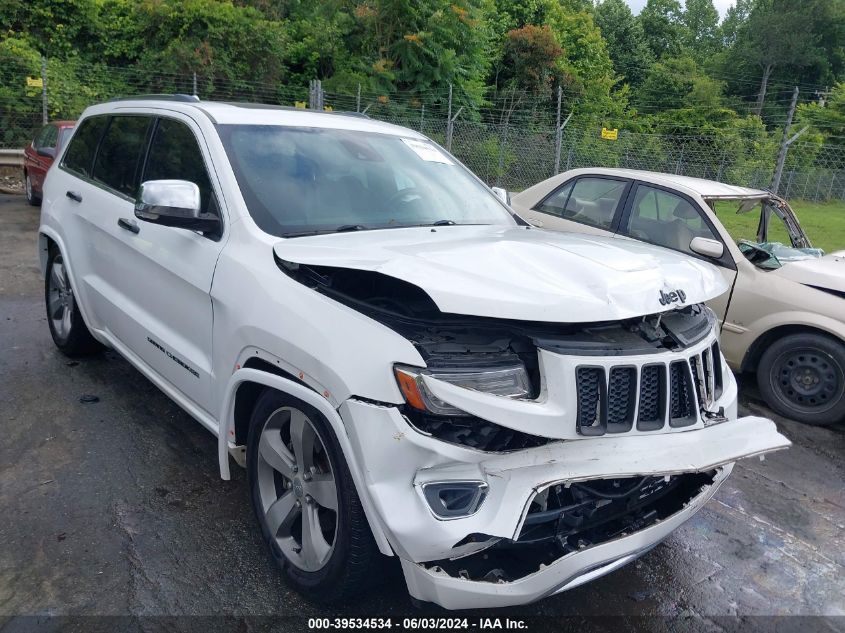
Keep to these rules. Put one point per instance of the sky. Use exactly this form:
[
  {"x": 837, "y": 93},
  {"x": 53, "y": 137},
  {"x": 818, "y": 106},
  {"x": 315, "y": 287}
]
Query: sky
[{"x": 721, "y": 5}]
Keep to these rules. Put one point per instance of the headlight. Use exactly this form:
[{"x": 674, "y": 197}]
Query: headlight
[{"x": 509, "y": 382}]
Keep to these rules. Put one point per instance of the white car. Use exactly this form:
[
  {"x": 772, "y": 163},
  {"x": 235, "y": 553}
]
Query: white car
[
  {"x": 404, "y": 366},
  {"x": 784, "y": 314}
]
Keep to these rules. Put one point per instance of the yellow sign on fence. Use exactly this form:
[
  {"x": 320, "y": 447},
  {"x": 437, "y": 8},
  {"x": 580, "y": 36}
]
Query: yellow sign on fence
[
  {"x": 299, "y": 104},
  {"x": 610, "y": 135},
  {"x": 34, "y": 82}
]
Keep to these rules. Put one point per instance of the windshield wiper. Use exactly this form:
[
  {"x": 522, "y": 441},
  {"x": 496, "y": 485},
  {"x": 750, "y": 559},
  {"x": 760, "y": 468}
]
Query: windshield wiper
[
  {"x": 345, "y": 228},
  {"x": 444, "y": 223}
]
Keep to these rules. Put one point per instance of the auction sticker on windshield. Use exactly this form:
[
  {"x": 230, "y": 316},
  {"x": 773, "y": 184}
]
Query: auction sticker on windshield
[{"x": 427, "y": 151}]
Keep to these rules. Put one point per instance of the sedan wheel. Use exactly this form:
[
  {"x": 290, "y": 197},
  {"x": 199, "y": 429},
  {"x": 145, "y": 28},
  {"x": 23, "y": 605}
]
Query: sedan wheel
[{"x": 802, "y": 376}]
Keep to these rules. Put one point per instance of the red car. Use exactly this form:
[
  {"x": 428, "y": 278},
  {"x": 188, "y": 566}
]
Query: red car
[{"x": 39, "y": 155}]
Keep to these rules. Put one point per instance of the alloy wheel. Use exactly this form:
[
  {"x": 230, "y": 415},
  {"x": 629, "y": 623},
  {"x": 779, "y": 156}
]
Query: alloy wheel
[
  {"x": 297, "y": 488},
  {"x": 60, "y": 302}
]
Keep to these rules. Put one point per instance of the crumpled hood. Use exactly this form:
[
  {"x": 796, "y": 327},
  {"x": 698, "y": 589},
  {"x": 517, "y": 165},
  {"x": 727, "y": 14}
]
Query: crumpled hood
[
  {"x": 519, "y": 273},
  {"x": 824, "y": 272}
]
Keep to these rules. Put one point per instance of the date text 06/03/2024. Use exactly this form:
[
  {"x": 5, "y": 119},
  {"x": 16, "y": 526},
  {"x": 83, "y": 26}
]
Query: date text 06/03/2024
[{"x": 481, "y": 624}]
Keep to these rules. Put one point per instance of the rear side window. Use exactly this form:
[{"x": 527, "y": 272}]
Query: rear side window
[
  {"x": 555, "y": 204},
  {"x": 119, "y": 157},
  {"x": 591, "y": 201},
  {"x": 175, "y": 155},
  {"x": 80, "y": 153}
]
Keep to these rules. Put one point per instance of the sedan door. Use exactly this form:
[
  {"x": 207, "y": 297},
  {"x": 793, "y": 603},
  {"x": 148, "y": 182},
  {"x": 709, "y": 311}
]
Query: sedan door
[
  {"x": 585, "y": 204},
  {"x": 667, "y": 218}
]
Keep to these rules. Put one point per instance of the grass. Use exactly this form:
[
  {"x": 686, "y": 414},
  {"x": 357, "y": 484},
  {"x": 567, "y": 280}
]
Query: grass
[{"x": 823, "y": 222}]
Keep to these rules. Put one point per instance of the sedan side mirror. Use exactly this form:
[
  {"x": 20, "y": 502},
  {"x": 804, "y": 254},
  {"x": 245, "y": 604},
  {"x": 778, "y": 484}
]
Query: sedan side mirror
[
  {"x": 707, "y": 247},
  {"x": 49, "y": 152},
  {"x": 174, "y": 203}
]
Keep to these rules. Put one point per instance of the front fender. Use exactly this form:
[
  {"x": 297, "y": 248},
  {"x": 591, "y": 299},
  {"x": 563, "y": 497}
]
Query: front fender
[
  {"x": 46, "y": 233},
  {"x": 284, "y": 385},
  {"x": 810, "y": 320}
]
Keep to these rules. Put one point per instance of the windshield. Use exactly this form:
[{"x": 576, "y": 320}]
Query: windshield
[
  {"x": 301, "y": 181},
  {"x": 766, "y": 231}
]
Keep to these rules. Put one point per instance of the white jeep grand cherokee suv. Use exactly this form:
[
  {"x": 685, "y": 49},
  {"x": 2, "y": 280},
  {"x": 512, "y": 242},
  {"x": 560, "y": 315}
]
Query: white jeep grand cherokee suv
[{"x": 404, "y": 366}]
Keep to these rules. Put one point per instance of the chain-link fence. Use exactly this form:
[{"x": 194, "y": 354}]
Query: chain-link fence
[{"x": 513, "y": 151}]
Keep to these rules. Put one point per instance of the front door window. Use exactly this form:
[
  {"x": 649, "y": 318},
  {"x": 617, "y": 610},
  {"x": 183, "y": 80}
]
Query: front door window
[{"x": 666, "y": 219}]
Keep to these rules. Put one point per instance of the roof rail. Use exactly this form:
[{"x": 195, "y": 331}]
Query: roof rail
[
  {"x": 159, "y": 97},
  {"x": 273, "y": 106}
]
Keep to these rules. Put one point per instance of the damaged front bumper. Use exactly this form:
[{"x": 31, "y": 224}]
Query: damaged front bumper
[
  {"x": 400, "y": 462},
  {"x": 434, "y": 584}
]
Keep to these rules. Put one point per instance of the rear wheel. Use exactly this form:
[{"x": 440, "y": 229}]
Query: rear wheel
[
  {"x": 68, "y": 329},
  {"x": 305, "y": 500},
  {"x": 802, "y": 376},
  {"x": 31, "y": 198}
]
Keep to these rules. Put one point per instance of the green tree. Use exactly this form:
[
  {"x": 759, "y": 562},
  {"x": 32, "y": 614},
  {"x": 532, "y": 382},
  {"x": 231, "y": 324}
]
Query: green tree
[
  {"x": 701, "y": 27},
  {"x": 827, "y": 118},
  {"x": 663, "y": 27},
  {"x": 585, "y": 67},
  {"x": 734, "y": 20},
  {"x": 425, "y": 45},
  {"x": 777, "y": 33},
  {"x": 678, "y": 82},
  {"x": 531, "y": 61},
  {"x": 55, "y": 28},
  {"x": 625, "y": 39}
]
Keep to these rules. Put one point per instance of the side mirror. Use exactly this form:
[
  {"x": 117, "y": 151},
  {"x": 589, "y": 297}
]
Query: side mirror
[
  {"x": 174, "y": 203},
  {"x": 501, "y": 194},
  {"x": 707, "y": 247},
  {"x": 49, "y": 152}
]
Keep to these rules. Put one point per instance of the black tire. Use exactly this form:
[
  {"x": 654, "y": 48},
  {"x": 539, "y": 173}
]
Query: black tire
[
  {"x": 31, "y": 197},
  {"x": 76, "y": 340},
  {"x": 355, "y": 559},
  {"x": 802, "y": 376}
]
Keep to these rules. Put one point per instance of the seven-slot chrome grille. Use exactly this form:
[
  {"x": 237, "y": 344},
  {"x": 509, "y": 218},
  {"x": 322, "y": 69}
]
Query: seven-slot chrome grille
[{"x": 615, "y": 399}]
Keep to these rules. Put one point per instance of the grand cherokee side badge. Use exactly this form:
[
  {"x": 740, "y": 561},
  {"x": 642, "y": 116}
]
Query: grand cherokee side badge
[{"x": 672, "y": 297}]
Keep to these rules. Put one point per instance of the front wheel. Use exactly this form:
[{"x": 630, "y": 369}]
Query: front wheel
[
  {"x": 305, "y": 501},
  {"x": 802, "y": 376},
  {"x": 68, "y": 329}
]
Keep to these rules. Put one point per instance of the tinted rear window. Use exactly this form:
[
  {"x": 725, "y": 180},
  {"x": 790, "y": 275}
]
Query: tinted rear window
[
  {"x": 119, "y": 156},
  {"x": 80, "y": 154}
]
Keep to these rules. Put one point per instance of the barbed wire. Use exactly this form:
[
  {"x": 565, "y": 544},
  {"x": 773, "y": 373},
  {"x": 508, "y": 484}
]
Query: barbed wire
[{"x": 509, "y": 137}]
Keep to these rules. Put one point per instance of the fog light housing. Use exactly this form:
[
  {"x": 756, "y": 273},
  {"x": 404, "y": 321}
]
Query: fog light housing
[{"x": 454, "y": 499}]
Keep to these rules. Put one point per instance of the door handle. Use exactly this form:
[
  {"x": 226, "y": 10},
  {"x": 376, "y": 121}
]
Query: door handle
[
  {"x": 129, "y": 225},
  {"x": 73, "y": 196}
]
